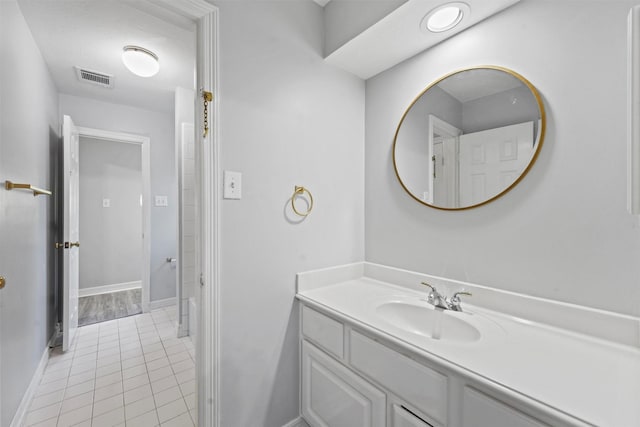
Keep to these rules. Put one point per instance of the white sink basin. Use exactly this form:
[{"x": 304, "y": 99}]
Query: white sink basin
[{"x": 425, "y": 320}]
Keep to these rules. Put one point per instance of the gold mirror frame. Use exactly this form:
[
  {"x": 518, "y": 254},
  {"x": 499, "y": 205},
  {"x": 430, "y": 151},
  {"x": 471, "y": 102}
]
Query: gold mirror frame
[{"x": 542, "y": 129}]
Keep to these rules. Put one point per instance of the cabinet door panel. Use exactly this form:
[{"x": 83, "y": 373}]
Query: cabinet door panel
[
  {"x": 332, "y": 396},
  {"x": 480, "y": 410}
]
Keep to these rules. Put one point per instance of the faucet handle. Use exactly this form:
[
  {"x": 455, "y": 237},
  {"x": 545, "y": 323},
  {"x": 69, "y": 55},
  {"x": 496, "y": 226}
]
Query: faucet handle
[
  {"x": 433, "y": 288},
  {"x": 454, "y": 302}
]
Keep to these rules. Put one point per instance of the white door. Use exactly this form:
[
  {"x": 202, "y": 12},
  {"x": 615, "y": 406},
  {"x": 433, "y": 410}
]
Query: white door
[
  {"x": 491, "y": 160},
  {"x": 71, "y": 233}
]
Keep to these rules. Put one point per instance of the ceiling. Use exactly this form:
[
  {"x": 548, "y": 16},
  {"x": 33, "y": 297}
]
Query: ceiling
[
  {"x": 475, "y": 84},
  {"x": 399, "y": 35},
  {"x": 91, "y": 34}
]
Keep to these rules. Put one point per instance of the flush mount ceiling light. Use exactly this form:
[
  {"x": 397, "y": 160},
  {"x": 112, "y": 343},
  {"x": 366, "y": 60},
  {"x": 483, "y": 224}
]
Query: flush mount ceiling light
[
  {"x": 140, "y": 61},
  {"x": 444, "y": 17}
]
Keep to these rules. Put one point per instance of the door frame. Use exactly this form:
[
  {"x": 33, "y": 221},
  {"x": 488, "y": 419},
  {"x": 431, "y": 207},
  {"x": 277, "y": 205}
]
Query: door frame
[
  {"x": 439, "y": 125},
  {"x": 144, "y": 143},
  {"x": 206, "y": 17}
]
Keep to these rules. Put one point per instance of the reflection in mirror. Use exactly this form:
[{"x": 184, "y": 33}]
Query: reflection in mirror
[{"x": 469, "y": 138}]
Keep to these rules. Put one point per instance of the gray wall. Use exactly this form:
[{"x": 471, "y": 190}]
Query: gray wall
[
  {"x": 563, "y": 232},
  {"x": 287, "y": 119},
  {"x": 159, "y": 127},
  {"x": 111, "y": 236},
  {"x": 345, "y": 19},
  {"x": 29, "y": 135}
]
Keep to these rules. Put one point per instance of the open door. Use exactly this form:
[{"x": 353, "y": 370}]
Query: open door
[{"x": 71, "y": 232}]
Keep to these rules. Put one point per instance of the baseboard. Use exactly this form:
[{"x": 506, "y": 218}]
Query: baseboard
[
  {"x": 23, "y": 408},
  {"x": 105, "y": 289},
  {"x": 153, "y": 305},
  {"x": 298, "y": 422}
]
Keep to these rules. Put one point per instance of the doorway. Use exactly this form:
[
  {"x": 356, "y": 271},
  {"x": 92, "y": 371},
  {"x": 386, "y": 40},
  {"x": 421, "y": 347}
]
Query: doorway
[{"x": 114, "y": 208}]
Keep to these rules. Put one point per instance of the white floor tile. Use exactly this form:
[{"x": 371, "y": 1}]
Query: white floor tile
[
  {"x": 107, "y": 405},
  {"x": 108, "y": 391},
  {"x": 141, "y": 392},
  {"x": 150, "y": 419},
  {"x": 42, "y": 414},
  {"x": 139, "y": 407},
  {"x": 109, "y": 419},
  {"x": 74, "y": 417},
  {"x": 163, "y": 384},
  {"x": 167, "y": 396},
  {"x": 46, "y": 399},
  {"x": 182, "y": 420},
  {"x": 76, "y": 402},
  {"x": 132, "y": 369}
]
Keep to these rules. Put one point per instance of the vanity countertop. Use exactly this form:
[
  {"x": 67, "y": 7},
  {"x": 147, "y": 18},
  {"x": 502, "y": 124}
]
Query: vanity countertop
[{"x": 588, "y": 379}]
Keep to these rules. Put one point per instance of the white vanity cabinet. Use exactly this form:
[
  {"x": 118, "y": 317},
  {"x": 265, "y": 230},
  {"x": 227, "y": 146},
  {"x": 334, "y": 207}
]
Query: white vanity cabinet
[
  {"x": 479, "y": 409},
  {"x": 354, "y": 379}
]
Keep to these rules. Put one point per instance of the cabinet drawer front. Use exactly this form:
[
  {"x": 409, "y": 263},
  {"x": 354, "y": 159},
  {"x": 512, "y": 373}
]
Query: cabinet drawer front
[
  {"x": 482, "y": 410},
  {"x": 324, "y": 331},
  {"x": 416, "y": 384},
  {"x": 333, "y": 396},
  {"x": 403, "y": 418}
]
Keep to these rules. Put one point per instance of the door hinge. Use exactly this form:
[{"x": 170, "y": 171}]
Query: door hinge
[{"x": 201, "y": 279}]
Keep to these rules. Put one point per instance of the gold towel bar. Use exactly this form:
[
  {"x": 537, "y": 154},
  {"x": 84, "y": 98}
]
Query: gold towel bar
[
  {"x": 299, "y": 191},
  {"x": 36, "y": 191}
]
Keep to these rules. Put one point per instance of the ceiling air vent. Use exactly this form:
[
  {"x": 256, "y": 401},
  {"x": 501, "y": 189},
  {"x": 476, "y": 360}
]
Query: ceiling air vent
[{"x": 94, "y": 77}]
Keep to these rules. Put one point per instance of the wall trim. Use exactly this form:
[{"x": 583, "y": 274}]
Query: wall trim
[
  {"x": 105, "y": 289},
  {"x": 161, "y": 303},
  {"x": 18, "y": 418},
  {"x": 298, "y": 422}
]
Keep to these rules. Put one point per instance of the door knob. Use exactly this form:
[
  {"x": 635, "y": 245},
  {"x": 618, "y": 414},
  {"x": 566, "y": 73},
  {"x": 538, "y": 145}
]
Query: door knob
[
  {"x": 2, "y": 282},
  {"x": 76, "y": 244}
]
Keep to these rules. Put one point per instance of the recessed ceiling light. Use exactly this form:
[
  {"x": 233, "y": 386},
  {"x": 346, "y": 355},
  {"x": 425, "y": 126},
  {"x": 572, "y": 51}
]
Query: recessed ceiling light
[
  {"x": 140, "y": 61},
  {"x": 444, "y": 17}
]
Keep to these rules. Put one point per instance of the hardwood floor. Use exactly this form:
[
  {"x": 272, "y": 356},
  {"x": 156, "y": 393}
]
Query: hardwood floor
[{"x": 113, "y": 305}]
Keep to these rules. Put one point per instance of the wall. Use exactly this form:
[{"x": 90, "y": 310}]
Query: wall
[
  {"x": 29, "y": 139},
  {"x": 111, "y": 236},
  {"x": 563, "y": 232},
  {"x": 159, "y": 127},
  {"x": 500, "y": 109},
  {"x": 287, "y": 119},
  {"x": 345, "y": 19}
]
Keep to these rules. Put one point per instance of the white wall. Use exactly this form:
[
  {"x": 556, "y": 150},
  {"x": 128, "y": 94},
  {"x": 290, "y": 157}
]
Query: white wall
[
  {"x": 159, "y": 127},
  {"x": 287, "y": 119},
  {"x": 111, "y": 236},
  {"x": 29, "y": 139},
  {"x": 563, "y": 232},
  {"x": 345, "y": 19}
]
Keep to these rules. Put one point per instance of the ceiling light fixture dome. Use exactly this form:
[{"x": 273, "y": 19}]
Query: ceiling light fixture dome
[
  {"x": 140, "y": 61},
  {"x": 444, "y": 17}
]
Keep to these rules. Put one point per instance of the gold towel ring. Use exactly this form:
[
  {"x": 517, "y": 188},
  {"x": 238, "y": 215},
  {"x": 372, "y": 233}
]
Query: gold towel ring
[{"x": 299, "y": 191}]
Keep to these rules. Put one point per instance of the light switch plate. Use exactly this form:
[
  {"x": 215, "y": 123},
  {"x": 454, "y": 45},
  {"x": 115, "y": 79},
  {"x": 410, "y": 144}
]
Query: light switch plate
[
  {"x": 106, "y": 203},
  {"x": 162, "y": 201},
  {"x": 232, "y": 185}
]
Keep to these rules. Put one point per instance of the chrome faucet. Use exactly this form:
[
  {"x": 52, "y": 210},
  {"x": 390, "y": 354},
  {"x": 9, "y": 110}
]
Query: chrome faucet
[{"x": 436, "y": 299}]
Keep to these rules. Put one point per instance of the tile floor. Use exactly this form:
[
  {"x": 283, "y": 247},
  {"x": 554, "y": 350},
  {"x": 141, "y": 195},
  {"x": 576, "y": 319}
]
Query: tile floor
[{"x": 126, "y": 372}]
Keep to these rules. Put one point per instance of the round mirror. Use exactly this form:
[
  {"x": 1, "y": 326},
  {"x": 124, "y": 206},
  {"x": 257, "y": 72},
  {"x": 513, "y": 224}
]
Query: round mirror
[{"x": 469, "y": 138}]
